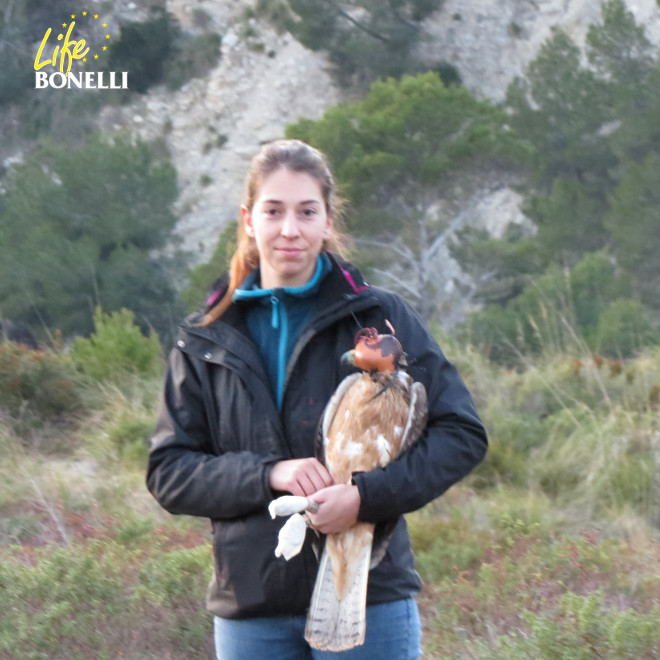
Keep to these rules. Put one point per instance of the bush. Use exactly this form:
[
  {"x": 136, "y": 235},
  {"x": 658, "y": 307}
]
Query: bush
[
  {"x": 92, "y": 601},
  {"x": 588, "y": 306},
  {"x": 116, "y": 348},
  {"x": 122, "y": 429},
  {"x": 623, "y": 329},
  {"x": 37, "y": 385},
  {"x": 59, "y": 603},
  {"x": 144, "y": 48},
  {"x": 583, "y": 628},
  {"x": 203, "y": 276}
]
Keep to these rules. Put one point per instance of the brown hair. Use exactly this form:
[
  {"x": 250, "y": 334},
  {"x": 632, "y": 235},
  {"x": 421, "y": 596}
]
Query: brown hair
[{"x": 295, "y": 156}]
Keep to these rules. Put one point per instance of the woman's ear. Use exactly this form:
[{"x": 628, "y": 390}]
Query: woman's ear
[{"x": 247, "y": 221}]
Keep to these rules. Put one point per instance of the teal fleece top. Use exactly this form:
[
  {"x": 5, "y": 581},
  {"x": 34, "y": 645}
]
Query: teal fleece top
[{"x": 276, "y": 318}]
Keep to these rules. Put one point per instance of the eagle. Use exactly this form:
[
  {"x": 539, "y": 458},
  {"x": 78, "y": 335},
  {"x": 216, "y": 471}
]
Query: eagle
[{"x": 373, "y": 416}]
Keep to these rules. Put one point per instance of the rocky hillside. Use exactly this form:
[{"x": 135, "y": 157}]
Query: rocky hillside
[
  {"x": 490, "y": 43},
  {"x": 214, "y": 125},
  {"x": 264, "y": 80}
]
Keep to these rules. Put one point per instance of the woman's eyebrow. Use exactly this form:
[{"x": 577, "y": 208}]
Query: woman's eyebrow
[{"x": 301, "y": 203}]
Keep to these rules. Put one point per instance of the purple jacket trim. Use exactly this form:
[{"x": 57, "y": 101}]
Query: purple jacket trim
[
  {"x": 213, "y": 297},
  {"x": 349, "y": 278}
]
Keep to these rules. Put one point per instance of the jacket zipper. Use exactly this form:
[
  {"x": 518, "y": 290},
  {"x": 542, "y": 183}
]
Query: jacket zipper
[
  {"x": 345, "y": 308},
  {"x": 280, "y": 321}
]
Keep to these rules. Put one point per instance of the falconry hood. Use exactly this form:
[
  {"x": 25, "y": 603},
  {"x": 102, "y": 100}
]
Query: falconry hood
[{"x": 376, "y": 352}]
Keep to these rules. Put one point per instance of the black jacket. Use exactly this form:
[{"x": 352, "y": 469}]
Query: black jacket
[{"x": 219, "y": 431}]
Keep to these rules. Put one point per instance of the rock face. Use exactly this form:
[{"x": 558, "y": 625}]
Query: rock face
[
  {"x": 214, "y": 125},
  {"x": 492, "y": 41}
]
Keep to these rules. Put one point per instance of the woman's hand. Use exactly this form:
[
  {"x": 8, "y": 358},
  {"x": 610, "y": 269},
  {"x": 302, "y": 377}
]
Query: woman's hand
[
  {"x": 300, "y": 476},
  {"x": 338, "y": 508}
]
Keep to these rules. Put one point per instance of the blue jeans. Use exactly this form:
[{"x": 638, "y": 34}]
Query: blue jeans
[{"x": 393, "y": 633}]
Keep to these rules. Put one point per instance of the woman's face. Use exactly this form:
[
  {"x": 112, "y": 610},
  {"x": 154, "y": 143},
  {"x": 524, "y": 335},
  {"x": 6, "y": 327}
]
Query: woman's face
[{"x": 289, "y": 223}]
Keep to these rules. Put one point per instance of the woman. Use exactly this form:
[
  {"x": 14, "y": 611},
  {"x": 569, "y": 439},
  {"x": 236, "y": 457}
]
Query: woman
[{"x": 246, "y": 386}]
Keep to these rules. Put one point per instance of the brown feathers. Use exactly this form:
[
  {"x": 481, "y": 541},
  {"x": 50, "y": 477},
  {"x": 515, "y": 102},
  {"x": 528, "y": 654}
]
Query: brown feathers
[{"x": 368, "y": 422}]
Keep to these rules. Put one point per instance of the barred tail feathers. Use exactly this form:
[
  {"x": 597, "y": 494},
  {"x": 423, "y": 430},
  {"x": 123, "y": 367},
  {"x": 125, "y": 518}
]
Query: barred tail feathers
[{"x": 337, "y": 615}]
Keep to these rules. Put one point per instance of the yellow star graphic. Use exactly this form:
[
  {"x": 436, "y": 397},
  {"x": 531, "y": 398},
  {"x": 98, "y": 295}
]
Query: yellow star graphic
[
  {"x": 105, "y": 48},
  {"x": 96, "y": 15},
  {"x": 73, "y": 15},
  {"x": 107, "y": 36},
  {"x": 96, "y": 57},
  {"x": 105, "y": 25},
  {"x": 84, "y": 59},
  {"x": 63, "y": 24},
  {"x": 84, "y": 13}
]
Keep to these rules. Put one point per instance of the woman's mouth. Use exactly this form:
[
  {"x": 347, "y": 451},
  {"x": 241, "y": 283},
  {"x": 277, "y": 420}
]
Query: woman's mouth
[{"x": 290, "y": 252}]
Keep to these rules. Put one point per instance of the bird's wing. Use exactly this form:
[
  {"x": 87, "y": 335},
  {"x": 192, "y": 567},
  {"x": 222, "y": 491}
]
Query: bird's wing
[
  {"x": 335, "y": 400},
  {"x": 417, "y": 417},
  {"x": 415, "y": 425},
  {"x": 329, "y": 414},
  {"x": 337, "y": 622}
]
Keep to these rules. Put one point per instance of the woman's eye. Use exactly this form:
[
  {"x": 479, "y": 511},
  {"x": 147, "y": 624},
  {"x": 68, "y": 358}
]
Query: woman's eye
[
  {"x": 309, "y": 212},
  {"x": 272, "y": 212}
]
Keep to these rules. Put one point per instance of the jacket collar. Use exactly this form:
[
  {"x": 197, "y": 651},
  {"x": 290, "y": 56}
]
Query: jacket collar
[
  {"x": 251, "y": 290},
  {"x": 342, "y": 291}
]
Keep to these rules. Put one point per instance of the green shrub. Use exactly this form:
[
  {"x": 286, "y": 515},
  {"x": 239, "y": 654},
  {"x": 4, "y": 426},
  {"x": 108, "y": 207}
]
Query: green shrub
[
  {"x": 116, "y": 348},
  {"x": 124, "y": 433},
  {"x": 175, "y": 575},
  {"x": 37, "y": 385},
  {"x": 455, "y": 547},
  {"x": 584, "y": 627},
  {"x": 176, "y": 581},
  {"x": 93, "y": 601},
  {"x": 623, "y": 329},
  {"x": 512, "y": 436},
  {"x": 144, "y": 48},
  {"x": 59, "y": 603},
  {"x": 586, "y": 307},
  {"x": 600, "y": 464}
]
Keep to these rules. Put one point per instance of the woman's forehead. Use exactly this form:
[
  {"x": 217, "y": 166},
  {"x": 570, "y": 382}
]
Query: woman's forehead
[{"x": 284, "y": 185}]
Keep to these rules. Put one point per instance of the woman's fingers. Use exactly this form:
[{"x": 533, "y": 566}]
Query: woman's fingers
[
  {"x": 338, "y": 508},
  {"x": 300, "y": 476}
]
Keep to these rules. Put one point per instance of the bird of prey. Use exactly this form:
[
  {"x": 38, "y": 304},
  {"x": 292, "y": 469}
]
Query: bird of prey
[{"x": 371, "y": 418}]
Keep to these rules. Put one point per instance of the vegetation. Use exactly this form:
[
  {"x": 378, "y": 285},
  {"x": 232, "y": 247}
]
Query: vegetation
[
  {"x": 407, "y": 157},
  {"x": 364, "y": 39},
  {"x": 591, "y": 194},
  {"x": 157, "y": 50},
  {"x": 202, "y": 278},
  {"x": 87, "y": 228},
  {"x": 548, "y": 548}
]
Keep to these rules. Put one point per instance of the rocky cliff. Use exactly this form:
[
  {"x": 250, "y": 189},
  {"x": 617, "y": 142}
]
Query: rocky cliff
[{"x": 213, "y": 125}]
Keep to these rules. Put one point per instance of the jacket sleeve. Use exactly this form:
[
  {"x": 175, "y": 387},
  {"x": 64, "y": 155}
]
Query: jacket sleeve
[
  {"x": 453, "y": 444},
  {"x": 184, "y": 473}
]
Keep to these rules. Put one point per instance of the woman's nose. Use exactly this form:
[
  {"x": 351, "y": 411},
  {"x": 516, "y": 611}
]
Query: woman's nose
[{"x": 290, "y": 227}]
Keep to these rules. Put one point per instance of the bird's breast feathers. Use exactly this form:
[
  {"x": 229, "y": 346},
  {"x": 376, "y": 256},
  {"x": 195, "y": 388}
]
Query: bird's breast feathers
[{"x": 367, "y": 423}]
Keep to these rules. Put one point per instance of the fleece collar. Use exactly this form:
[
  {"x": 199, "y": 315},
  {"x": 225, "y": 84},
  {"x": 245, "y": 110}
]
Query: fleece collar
[{"x": 251, "y": 290}]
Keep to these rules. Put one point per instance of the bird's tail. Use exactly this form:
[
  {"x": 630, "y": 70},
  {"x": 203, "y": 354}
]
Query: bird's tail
[{"x": 336, "y": 620}]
